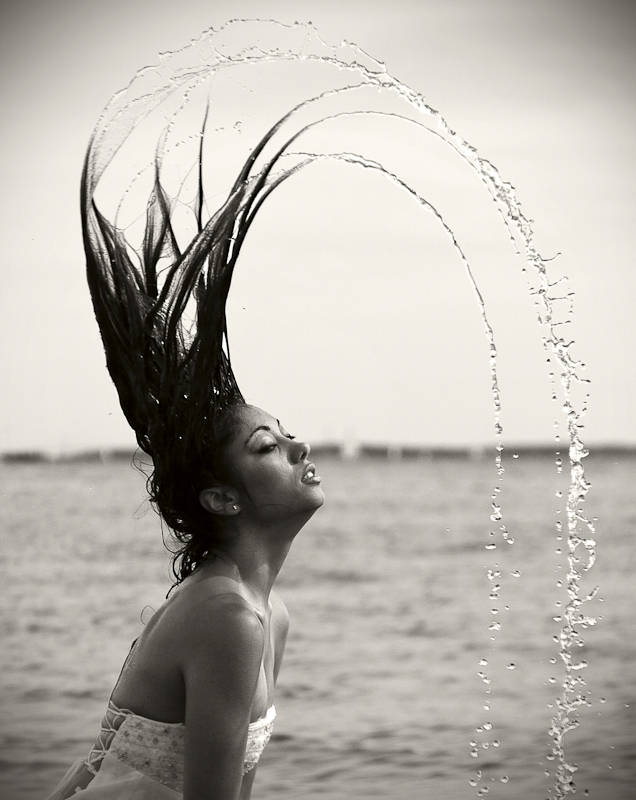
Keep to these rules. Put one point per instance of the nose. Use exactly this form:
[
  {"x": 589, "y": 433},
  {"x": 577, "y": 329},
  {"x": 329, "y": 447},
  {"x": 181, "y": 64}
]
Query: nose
[{"x": 300, "y": 451}]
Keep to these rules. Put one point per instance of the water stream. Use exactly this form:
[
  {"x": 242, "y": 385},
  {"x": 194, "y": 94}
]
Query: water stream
[{"x": 183, "y": 117}]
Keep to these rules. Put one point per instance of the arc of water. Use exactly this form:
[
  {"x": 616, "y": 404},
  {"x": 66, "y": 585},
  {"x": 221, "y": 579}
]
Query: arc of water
[{"x": 127, "y": 108}]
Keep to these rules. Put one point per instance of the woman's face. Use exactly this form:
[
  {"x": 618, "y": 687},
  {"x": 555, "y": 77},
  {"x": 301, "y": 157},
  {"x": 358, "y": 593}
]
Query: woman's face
[{"x": 271, "y": 469}]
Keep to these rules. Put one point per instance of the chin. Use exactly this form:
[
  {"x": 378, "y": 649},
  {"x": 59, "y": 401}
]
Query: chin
[
  {"x": 319, "y": 498},
  {"x": 313, "y": 501}
]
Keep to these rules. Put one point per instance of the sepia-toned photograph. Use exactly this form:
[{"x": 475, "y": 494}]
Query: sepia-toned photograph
[{"x": 318, "y": 444}]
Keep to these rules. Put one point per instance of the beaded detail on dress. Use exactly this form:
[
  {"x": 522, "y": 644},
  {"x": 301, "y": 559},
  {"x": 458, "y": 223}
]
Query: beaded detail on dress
[
  {"x": 156, "y": 749},
  {"x": 258, "y": 734}
]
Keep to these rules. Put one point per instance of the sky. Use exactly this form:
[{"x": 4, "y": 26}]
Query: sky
[{"x": 349, "y": 318}]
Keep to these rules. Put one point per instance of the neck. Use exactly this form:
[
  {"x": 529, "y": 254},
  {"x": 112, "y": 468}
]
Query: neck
[{"x": 259, "y": 551}]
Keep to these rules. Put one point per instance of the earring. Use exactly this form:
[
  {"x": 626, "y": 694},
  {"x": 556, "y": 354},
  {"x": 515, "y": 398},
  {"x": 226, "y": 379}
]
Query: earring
[{"x": 235, "y": 508}]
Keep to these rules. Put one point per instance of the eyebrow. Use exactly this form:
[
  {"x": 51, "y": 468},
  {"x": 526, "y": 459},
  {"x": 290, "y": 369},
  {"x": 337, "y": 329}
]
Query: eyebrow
[{"x": 260, "y": 428}]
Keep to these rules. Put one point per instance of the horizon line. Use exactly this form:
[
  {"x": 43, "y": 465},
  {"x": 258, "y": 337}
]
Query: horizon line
[{"x": 387, "y": 451}]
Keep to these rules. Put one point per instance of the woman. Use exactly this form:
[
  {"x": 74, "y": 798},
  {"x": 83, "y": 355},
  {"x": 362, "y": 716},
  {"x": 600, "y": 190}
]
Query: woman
[
  {"x": 198, "y": 684},
  {"x": 193, "y": 707}
]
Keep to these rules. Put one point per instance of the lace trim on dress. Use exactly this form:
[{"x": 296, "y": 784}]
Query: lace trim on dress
[
  {"x": 258, "y": 735},
  {"x": 156, "y": 749}
]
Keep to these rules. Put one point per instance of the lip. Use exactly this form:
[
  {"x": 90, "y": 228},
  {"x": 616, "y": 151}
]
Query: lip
[{"x": 310, "y": 470}]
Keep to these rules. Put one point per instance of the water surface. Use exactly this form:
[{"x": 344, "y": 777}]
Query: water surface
[{"x": 387, "y": 589}]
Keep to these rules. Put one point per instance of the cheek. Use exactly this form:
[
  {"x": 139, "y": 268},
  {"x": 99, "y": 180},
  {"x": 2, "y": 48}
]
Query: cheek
[{"x": 267, "y": 480}]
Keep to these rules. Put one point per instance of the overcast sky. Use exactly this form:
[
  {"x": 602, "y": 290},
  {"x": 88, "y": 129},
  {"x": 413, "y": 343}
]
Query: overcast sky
[{"x": 347, "y": 319}]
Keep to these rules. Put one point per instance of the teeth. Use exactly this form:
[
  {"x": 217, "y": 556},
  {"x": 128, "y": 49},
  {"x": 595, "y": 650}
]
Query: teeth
[{"x": 310, "y": 474}]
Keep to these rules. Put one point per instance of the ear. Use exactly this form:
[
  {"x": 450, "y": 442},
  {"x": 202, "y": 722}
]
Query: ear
[{"x": 221, "y": 500}]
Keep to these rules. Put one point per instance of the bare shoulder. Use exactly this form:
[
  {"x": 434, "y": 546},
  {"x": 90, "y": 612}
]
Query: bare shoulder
[{"x": 223, "y": 625}]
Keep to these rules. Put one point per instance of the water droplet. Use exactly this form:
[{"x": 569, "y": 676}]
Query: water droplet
[
  {"x": 515, "y": 455},
  {"x": 511, "y": 666},
  {"x": 602, "y": 700},
  {"x": 553, "y": 661},
  {"x": 510, "y": 540},
  {"x": 496, "y": 743},
  {"x": 472, "y": 782},
  {"x": 504, "y": 779},
  {"x": 491, "y": 547},
  {"x": 494, "y": 610},
  {"x": 552, "y": 680},
  {"x": 487, "y": 726},
  {"x": 485, "y": 745},
  {"x": 474, "y": 753},
  {"x": 483, "y": 663},
  {"x": 515, "y": 573},
  {"x": 558, "y": 493}
]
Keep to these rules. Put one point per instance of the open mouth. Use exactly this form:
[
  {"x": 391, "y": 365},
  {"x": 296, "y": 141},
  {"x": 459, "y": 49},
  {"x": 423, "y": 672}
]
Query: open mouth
[{"x": 309, "y": 475}]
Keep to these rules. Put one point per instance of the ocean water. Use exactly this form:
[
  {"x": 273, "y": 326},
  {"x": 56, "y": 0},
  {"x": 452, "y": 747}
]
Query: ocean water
[{"x": 379, "y": 695}]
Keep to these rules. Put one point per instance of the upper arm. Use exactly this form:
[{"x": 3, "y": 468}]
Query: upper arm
[{"x": 223, "y": 649}]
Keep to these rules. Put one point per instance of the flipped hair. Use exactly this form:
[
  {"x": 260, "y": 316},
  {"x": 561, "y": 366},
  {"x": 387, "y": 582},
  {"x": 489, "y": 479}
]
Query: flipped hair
[
  {"x": 174, "y": 379},
  {"x": 161, "y": 314}
]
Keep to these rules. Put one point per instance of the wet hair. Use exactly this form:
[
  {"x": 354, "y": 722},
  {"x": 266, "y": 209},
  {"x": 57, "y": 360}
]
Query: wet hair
[
  {"x": 174, "y": 378},
  {"x": 160, "y": 308},
  {"x": 178, "y": 476}
]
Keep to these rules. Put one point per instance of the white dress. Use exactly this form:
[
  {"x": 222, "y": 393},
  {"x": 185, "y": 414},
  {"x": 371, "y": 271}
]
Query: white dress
[{"x": 135, "y": 758}]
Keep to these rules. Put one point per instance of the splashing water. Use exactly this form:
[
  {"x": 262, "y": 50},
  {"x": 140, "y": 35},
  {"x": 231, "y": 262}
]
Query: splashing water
[{"x": 199, "y": 103}]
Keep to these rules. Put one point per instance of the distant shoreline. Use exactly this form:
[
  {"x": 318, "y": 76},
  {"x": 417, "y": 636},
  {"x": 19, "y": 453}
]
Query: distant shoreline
[{"x": 383, "y": 452}]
